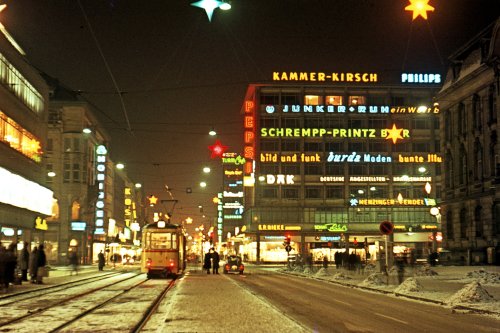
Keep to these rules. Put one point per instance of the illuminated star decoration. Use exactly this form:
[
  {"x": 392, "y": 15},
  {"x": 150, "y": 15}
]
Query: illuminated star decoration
[
  {"x": 217, "y": 149},
  {"x": 209, "y": 6},
  {"x": 419, "y": 8},
  {"x": 394, "y": 133},
  {"x": 152, "y": 200}
]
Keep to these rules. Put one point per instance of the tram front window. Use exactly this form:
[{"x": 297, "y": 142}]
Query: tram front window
[{"x": 164, "y": 241}]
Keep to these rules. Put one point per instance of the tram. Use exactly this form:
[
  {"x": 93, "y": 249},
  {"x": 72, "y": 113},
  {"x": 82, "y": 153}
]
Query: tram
[{"x": 163, "y": 250}]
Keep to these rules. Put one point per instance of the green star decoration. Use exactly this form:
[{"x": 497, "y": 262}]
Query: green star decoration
[{"x": 209, "y": 6}]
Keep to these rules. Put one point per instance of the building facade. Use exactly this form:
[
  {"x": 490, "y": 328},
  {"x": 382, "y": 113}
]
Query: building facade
[
  {"x": 469, "y": 137},
  {"x": 328, "y": 162},
  {"x": 25, "y": 201},
  {"x": 96, "y": 204}
]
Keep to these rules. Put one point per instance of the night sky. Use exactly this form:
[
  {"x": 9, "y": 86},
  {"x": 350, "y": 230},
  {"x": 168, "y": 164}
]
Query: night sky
[{"x": 180, "y": 75}]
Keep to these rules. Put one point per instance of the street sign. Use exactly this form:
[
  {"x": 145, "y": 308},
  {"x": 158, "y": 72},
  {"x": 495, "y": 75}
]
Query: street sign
[{"x": 386, "y": 228}]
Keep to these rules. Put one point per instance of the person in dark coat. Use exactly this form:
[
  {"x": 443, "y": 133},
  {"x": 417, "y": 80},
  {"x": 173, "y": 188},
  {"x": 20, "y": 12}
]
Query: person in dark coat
[
  {"x": 207, "y": 262},
  {"x": 41, "y": 262},
  {"x": 73, "y": 262},
  {"x": 24, "y": 259},
  {"x": 10, "y": 265},
  {"x": 100, "y": 258},
  {"x": 215, "y": 262},
  {"x": 3, "y": 259},
  {"x": 32, "y": 264},
  {"x": 325, "y": 262}
]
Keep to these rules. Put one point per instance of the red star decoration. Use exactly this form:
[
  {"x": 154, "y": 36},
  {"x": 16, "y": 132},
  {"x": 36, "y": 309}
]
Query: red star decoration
[{"x": 217, "y": 149}]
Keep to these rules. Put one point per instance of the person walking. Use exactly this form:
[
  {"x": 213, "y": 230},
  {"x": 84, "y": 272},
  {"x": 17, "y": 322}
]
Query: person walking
[
  {"x": 32, "y": 264},
  {"x": 215, "y": 262},
  {"x": 325, "y": 262},
  {"x": 73, "y": 261},
  {"x": 400, "y": 266},
  {"x": 207, "y": 262},
  {"x": 100, "y": 260},
  {"x": 24, "y": 259},
  {"x": 3, "y": 259},
  {"x": 10, "y": 265},
  {"x": 41, "y": 261}
]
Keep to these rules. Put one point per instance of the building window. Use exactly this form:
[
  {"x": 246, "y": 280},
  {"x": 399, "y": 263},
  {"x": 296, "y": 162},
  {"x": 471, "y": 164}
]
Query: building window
[
  {"x": 313, "y": 146},
  {"x": 269, "y": 99},
  {"x": 424, "y": 147},
  {"x": 269, "y": 169},
  {"x": 50, "y": 145},
  {"x": 290, "y": 99},
  {"x": 312, "y": 122},
  {"x": 479, "y": 221},
  {"x": 398, "y": 101},
  {"x": 477, "y": 112},
  {"x": 449, "y": 226},
  {"x": 313, "y": 169},
  {"x": 290, "y": 192},
  {"x": 334, "y": 192},
  {"x": 269, "y": 145},
  {"x": 268, "y": 122},
  {"x": 290, "y": 169},
  {"x": 375, "y": 146},
  {"x": 463, "y": 223},
  {"x": 313, "y": 192},
  {"x": 17, "y": 138},
  {"x": 333, "y": 100},
  {"x": 269, "y": 192},
  {"x": 313, "y": 100},
  {"x": 478, "y": 153},
  {"x": 290, "y": 145},
  {"x": 421, "y": 123},
  {"x": 358, "y": 147},
  {"x": 334, "y": 147},
  {"x": 357, "y": 170},
  {"x": 355, "y": 123},
  {"x": 290, "y": 123},
  {"x": 333, "y": 169},
  {"x": 378, "y": 170},
  {"x": 357, "y": 100},
  {"x": 334, "y": 122}
]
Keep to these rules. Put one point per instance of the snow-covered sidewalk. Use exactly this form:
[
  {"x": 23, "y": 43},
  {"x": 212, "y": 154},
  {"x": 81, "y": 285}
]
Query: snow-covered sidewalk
[{"x": 215, "y": 303}]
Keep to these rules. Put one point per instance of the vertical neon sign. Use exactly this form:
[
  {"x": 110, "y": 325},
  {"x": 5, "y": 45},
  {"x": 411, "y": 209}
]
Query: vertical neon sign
[
  {"x": 101, "y": 153},
  {"x": 249, "y": 141}
]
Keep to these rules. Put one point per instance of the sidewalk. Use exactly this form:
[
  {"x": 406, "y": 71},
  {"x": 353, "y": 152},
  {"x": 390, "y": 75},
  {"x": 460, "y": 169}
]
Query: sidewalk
[{"x": 200, "y": 302}]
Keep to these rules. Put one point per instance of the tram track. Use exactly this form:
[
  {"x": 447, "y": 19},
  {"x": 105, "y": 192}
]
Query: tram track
[
  {"x": 33, "y": 307},
  {"x": 8, "y": 299},
  {"x": 101, "y": 306}
]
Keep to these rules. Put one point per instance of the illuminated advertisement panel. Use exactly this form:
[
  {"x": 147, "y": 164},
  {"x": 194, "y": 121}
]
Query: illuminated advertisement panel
[{"x": 101, "y": 159}]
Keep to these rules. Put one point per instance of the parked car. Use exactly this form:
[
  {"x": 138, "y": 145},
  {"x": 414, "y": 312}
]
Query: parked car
[{"x": 234, "y": 264}]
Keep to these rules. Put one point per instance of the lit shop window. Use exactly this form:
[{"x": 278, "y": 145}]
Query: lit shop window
[
  {"x": 312, "y": 100},
  {"x": 333, "y": 100},
  {"x": 357, "y": 100},
  {"x": 19, "y": 139},
  {"x": 19, "y": 86}
]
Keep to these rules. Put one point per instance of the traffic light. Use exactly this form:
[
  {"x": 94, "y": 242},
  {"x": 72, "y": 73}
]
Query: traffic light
[{"x": 287, "y": 240}]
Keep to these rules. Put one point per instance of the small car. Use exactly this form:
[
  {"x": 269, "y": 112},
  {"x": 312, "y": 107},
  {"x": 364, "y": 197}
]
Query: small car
[{"x": 234, "y": 264}]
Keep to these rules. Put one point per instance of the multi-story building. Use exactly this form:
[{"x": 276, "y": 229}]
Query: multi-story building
[
  {"x": 332, "y": 156},
  {"x": 91, "y": 194},
  {"x": 24, "y": 201},
  {"x": 469, "y": 137}
]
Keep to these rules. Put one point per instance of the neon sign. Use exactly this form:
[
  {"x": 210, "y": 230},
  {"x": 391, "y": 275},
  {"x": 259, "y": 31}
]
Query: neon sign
[
  {"x": 323, "y": 77},
  {"x": 278, "y": 227},
  {"x": 361, "y": 109},
  {"x": 430, "y": 158},
  {"x": 249, "y": 141},
  {"x": 331, "y": 227},
  {"x": 387, "y": 202},
  {"x": 394, "y": 133},
  {"x": 420, "y": 78},
  {"x": 270, "y": 157},
  {"x": 355, "y": 158},
  {"x": 280, "y": 179},
  {"x": 100, "y": 152}
]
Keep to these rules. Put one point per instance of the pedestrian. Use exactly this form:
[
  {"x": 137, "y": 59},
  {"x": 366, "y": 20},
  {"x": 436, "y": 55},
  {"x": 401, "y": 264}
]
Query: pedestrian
[
  {"x": 400, "y": 266},
  {"x": 73, "y": 261},
  {"x": 100, "y": 259},
  {"x": 336, "y": 257},
  {"x": 325, "y": 262},
  {"x": 3, "y": 259},
  {"x": 32, "y": 264},
  {"x": 215, "y": 262},
  {"x": 10, "y": 265},
  {"x": 207, "y": 262},
  {"x": 24, "y": 259},
  {"x": 41, "y": 262}
]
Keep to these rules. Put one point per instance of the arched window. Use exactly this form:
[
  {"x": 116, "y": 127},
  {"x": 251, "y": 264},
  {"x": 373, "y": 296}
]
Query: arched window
[
  {"x": 479, "y": 221},
  {"x": 478, "y": 153},
  {"x": 449, "y": 225},
  {"x": 449, "y": 174},
  {"x": 463, "y": 168},
  {"x": 75, "y": 211},
  {"x": 463, "y": 223}
]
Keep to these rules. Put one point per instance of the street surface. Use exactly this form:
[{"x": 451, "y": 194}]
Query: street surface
[{"x": 328, "y": 307}]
